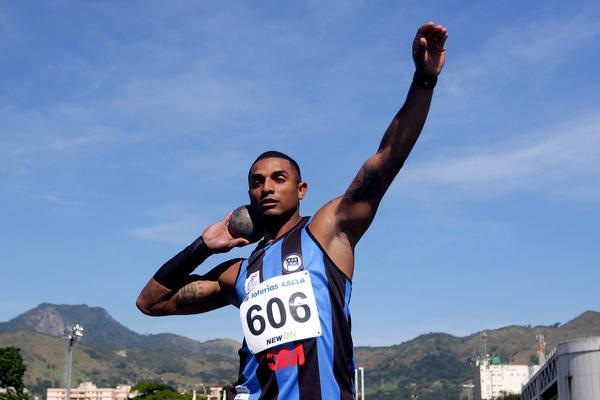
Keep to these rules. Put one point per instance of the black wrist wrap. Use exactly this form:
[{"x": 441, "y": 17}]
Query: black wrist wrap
[
  {"x": 426, "y": 81},
  {"x": 174, "y": 272}
]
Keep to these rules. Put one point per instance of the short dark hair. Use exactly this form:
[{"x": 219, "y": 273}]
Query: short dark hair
[{"x": 277, "y": 154}]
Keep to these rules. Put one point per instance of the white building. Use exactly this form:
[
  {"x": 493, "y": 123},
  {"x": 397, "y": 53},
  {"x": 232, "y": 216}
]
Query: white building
[
  {"x": 571, "y": 373},
  {"x": 89, "y": 391},
  {"x": 216, "y": 393},
  {"x": 495, "y": 380}
]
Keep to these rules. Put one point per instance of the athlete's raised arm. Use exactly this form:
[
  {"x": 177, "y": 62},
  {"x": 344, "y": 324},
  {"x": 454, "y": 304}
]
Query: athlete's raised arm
[
  {"x": 172, "y": 290},
  {"x": 340, "y": 224}
]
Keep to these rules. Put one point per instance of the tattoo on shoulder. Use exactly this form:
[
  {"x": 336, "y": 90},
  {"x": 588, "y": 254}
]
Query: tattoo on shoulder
[
  {"x": 366, "y": 187},
  {"x": 191, "y": 293}
]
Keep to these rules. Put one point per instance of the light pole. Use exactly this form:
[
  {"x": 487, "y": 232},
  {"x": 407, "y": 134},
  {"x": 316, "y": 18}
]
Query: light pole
[
  {"x": 362, "y": 383},
  {"x": 71, "y": 336},
  {"x": 360, "y": 370}
]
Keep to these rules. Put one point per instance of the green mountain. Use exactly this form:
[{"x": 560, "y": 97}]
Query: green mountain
[
  {"x": 44, "y": 356},
  {"x": 436, "y": 365},
  {"x": 103, "y": 331},
  {"x": 430, "y": 366}
]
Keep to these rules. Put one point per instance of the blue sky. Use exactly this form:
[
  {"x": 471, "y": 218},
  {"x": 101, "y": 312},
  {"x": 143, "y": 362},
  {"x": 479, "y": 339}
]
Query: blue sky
[{"x": 127, "y": 127}]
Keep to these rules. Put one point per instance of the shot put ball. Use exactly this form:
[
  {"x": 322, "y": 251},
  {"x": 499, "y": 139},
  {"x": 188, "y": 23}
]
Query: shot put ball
[{"x": 242, "y": 225}]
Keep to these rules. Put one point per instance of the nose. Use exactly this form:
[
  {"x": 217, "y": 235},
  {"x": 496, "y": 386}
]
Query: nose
[{"x": 267, "y": 186}]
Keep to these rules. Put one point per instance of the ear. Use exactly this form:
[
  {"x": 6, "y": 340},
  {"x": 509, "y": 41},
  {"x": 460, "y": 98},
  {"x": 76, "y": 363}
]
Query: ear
[{"x": 302, "y": 189}]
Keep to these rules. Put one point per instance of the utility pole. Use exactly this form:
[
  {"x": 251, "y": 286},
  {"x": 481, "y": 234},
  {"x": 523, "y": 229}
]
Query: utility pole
[
  {"x": 484, "y": 337},
  {"x": 71, "y": 336},
  {"x": 362, "y": 382}
]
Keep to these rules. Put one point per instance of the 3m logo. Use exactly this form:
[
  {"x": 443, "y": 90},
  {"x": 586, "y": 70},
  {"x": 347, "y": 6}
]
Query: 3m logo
[{"x": 285, "y": 358}]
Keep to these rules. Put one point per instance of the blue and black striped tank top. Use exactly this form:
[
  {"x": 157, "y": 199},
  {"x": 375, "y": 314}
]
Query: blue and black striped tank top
[{"x": 317, "y": 368}]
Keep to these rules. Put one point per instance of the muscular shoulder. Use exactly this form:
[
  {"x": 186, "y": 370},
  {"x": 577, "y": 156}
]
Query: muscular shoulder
[{"x": 326, "y": 229}]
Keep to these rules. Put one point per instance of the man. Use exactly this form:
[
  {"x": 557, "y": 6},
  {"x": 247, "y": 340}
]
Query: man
[{"x": 293, "y": 291}]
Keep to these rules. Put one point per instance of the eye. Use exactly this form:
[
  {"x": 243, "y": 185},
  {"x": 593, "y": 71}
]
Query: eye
[
  {"x": 280, "y": 178},
  {"x": 256, "y": 182}
]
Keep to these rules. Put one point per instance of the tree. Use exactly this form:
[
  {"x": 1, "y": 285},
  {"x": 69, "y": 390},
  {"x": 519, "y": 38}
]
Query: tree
[
  {"x": 12, "y": 370},
  {"x": 151, "y": 390},
  {"x": 510, "y": 397}
]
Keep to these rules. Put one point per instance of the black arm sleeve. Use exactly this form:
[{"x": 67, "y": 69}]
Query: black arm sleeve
[{"x": 175, "y": 271}]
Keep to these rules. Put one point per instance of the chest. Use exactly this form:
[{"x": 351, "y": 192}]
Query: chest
[{"x": 280, "y": 259}]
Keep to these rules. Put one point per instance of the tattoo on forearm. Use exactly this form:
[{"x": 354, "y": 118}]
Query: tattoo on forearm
[
  {"x": 191, "y": 293},
  {"x": 366, "y": 187}
]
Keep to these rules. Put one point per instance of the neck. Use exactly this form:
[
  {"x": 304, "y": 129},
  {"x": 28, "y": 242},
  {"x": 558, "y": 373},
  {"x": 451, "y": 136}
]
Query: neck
[{"x": 277, "y": 226}]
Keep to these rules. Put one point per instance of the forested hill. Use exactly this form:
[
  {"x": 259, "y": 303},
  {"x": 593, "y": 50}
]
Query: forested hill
[
  {"x": 431, "y": 366},
  {"x": 436, "y": 365},
  {"x": 101, "y": 330}
]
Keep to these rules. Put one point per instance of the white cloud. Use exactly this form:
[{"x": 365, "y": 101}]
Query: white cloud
[
  {"x": 563, "y": 160},
  {"x": 174, "y": 232},
  {"x": 221, "y": 105},
  {"x": 33, "y": 139},
  {"x": 524, "y": 50}
]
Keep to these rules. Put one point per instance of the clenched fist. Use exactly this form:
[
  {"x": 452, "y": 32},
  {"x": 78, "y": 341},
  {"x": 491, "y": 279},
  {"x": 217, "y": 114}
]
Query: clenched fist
[{"x": 428, "y": 49}]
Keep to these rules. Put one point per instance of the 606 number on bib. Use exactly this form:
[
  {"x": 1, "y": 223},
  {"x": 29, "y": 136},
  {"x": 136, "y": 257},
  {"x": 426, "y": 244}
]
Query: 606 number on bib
[
  {"x": 299, "y": 312},
  {"x": 280, "y": 310}
]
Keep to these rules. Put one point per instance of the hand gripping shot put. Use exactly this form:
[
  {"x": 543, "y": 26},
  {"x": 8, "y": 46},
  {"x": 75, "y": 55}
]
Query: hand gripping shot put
[
  {"x": 293, "y": 290},
  {"x": 244, "y": 224}
]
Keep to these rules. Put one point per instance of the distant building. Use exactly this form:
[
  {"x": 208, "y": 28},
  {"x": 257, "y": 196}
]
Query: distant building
[
  {"x": 493, "y": 379},
  {"x": 571, "y": 373},
  {"x": 215, "y": 393},
  {"x": 89, "y": 391}
]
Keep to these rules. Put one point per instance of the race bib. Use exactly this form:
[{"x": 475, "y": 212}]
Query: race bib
[
  {"x": 280, "y": 310},
  {"x": 242, "y": 393}
]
